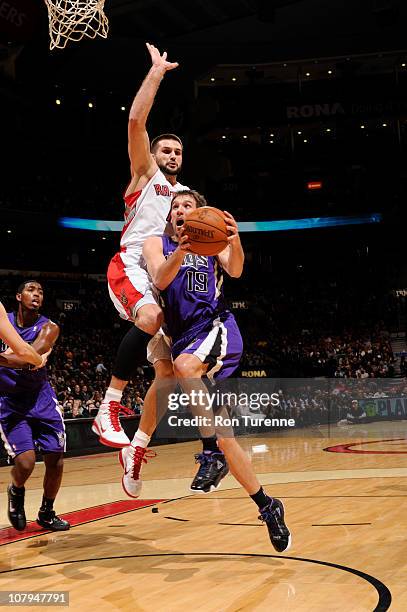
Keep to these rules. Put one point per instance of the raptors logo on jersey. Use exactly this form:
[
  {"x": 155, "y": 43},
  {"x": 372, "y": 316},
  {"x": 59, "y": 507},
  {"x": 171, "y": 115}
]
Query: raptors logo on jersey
[{"x": 163, "y": 190}]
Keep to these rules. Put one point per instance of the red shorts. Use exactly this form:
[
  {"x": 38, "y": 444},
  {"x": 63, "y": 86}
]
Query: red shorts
[{"x": 129, "y": 287}]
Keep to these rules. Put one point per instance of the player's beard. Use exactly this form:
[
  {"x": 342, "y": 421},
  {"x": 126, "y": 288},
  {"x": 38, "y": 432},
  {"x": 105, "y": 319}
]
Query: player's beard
[{"x": 172, "y": 172}]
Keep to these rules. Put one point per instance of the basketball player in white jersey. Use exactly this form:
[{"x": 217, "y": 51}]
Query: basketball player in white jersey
[{"x": 154, "y": 170}]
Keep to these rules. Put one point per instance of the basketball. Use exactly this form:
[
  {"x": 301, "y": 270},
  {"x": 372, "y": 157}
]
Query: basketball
[{"x": 206, "y": 229}]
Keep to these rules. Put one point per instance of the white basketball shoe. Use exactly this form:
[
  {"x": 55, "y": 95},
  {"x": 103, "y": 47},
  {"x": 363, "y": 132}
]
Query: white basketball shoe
[
  {"x": 107, "y": 424},
  {"x": 131, "y": 459}
]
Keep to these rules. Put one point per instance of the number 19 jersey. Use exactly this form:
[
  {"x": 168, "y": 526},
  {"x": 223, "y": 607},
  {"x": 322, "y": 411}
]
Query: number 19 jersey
[{"x": 195, "y": 297}]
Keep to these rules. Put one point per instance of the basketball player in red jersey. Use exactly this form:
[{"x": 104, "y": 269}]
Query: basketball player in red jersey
[{"x": 154, "y": 170}]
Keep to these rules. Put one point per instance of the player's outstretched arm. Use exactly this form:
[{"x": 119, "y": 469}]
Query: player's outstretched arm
[
  {"x": 232, "y": 257},
  {"x": 42, "y": 345},
  {"x": 142, "y": 163},
  {"x": 21, "y": 349},
  {"x": 162, "y": 270}
]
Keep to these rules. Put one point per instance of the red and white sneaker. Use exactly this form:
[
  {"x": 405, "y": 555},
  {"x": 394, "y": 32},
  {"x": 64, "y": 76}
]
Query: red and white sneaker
[
  {"x": 107, "y": 425},
  {"x": 131, "y": 459}
]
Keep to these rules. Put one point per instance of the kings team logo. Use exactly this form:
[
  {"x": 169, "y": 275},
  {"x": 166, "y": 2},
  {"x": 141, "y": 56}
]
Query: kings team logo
[{"x": 61, "y": 438}]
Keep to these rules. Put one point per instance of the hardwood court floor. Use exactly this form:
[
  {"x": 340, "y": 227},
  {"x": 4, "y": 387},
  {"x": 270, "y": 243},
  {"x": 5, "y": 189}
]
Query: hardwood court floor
[{"x": 347, "y": 512}]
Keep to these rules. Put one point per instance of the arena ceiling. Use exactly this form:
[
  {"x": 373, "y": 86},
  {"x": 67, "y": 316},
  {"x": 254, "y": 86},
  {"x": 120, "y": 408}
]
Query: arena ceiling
[
  {"x": 276, "y": 26},
  {"x": 201, "y": 34}
]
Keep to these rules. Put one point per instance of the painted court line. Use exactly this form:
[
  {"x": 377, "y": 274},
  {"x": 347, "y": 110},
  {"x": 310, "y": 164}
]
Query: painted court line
[{"x": 78, "y": 517}]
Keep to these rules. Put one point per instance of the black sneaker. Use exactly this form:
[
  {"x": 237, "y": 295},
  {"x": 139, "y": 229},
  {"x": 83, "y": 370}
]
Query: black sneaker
[
  {"x": 49, "y": 520},
  {"x": 273, "y": 516},
  {"x": 211, "y": 471},
  {"x": 15, "y": 509}
]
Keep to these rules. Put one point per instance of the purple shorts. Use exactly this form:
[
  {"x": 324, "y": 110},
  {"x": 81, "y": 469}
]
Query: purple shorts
[
  {"x": 32, "y": 421},
  {"x": 220, "y": 345}
]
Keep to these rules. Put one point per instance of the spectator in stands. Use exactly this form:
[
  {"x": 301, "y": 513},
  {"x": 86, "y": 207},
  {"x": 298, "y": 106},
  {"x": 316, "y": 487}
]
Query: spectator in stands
[
  {"x": 101, "y": 369},
  {"x": 355, "y": 415}
]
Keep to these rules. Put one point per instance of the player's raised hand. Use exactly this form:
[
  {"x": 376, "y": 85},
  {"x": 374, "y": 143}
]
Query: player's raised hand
[
  {"x": 160, "y": 60},
  {"x": 232, "y": 228}
]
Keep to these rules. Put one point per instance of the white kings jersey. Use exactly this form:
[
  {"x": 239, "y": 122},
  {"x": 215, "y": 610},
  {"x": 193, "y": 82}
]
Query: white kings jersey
[{"x": 145, "y": 215}]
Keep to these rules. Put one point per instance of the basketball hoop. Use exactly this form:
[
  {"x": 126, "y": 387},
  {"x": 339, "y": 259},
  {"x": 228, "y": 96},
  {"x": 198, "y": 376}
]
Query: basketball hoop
[{"x": 71, "y": 20}]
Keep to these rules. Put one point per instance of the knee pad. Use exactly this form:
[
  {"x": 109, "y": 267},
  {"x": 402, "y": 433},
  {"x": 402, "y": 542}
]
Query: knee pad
[{"x": 131, "y": 353}]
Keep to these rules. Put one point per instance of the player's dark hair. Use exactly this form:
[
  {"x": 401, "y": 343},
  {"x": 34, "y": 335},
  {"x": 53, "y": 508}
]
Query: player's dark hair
[
  {"x": 200, "y": 200},
  {"x": 21, "y": 286},
  {"x": 198, "y": 197},
  {"x": 157, "y": 139}
]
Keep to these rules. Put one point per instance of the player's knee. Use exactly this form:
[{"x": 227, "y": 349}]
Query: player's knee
[
  {"x": 149, "y": 319},
  {"x": 24, "y": 463},
  {"x": 54, "y": 461},
  {"x": 184, "y": 369}
]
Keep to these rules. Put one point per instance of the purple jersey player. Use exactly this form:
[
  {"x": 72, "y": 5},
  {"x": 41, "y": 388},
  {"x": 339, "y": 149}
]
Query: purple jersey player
[
  {"x": 197, "y": 319},
  {"x": 206, "y": 342},
  {"x": 30, "y": 416}
]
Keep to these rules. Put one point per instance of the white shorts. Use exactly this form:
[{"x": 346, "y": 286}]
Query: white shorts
[
  {"x": 159, "y": 347},
  {"x": 129, "y": 288}
]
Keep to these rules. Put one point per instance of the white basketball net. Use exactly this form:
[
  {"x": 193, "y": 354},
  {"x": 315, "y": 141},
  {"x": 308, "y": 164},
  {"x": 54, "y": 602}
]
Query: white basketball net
[{"x": 74, "y": 19}]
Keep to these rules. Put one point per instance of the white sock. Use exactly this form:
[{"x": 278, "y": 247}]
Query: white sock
[
  {"x": 112, "y": 395},
  {"x": 140, "y": 439}
]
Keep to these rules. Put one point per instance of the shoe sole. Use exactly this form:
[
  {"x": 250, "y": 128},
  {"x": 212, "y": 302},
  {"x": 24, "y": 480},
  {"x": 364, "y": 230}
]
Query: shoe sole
[
  {"x": 123, "y": 487},
  {"x": 285, "y": 549},
  {"x": 17, "y": 528},
  {"x": 106, "y": 442}
]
